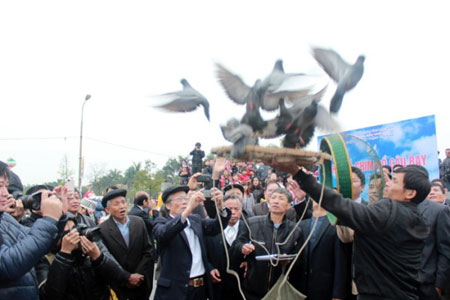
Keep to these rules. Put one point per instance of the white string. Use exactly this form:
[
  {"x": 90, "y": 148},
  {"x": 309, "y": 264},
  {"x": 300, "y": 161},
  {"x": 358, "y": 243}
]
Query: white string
[{"x": 277, "y": 259}]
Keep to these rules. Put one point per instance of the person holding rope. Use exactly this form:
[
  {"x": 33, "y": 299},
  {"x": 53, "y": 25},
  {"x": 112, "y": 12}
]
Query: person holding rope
[
  {"x": 185, "y": 272},
  {"x": 389, "y": 235},
  {"x": 269, "y": 234}
]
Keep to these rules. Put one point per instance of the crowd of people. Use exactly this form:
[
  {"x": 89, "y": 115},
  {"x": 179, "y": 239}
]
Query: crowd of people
[{"x": 228, "y": 216}]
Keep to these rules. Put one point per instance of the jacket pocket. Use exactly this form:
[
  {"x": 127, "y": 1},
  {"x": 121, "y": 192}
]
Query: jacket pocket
[{"x": 164, "y": 282}]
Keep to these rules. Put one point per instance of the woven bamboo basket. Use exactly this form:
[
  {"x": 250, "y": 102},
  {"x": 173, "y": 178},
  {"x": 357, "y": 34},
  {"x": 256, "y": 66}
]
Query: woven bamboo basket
[{"x": 282, "y": 155}]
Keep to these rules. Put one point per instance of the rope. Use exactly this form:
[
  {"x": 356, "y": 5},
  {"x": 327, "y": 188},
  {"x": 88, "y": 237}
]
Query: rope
[{"x": 277, "y": 259}]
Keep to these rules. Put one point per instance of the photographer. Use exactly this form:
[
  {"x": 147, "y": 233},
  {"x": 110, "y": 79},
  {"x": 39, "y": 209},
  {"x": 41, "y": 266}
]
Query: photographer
[
  {"x": 22, "y": 247},
  {"x": 35, "y": 214},
  {"x": 74, "y": 207},
  {"x": 80, "y": 270},
  {"x": 197, "y": 158}
]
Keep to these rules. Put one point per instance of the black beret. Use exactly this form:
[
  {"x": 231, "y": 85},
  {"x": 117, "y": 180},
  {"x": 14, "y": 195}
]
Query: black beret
[
  {"x": 233, "y": 186},
  {"x": 173, "y": 189},
  {"x": 113, "y": 194}
]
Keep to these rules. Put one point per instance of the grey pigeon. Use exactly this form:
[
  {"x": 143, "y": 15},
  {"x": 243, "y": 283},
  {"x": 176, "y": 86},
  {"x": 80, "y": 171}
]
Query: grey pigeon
[
  {"x": 252, "y": 116},
  {"x": 306, "y": 116},
  {"x": 345, "y": 75},
  {"x": 240, "y": 135},
  {"x": 278, "y": 125},
  {"x": 186, "y": 100},
  {"x": 270, "y": 90},
  {"x": 271, "y": 87}
]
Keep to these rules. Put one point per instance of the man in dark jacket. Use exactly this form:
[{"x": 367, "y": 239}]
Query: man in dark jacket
[
  {"x": 181, "y": 242},
  {"x": 225, "y": 285},
  {"x": 262, "y": 208},
  {"x": 266, "y": 230},
  {"x": 80, "y": 271},
  {"x": 22, "y": 247},
  {"x": 197, "y": 158},
  {"x": 324, "y": 271},
  {"x": 127, "y": 239},
  {"x": 434, "y": 274},
  {"x": 389, "y": 235}
]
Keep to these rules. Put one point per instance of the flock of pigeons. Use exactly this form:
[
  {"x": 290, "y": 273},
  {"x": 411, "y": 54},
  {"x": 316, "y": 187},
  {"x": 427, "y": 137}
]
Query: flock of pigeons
[{"x": 297, "y": 122}]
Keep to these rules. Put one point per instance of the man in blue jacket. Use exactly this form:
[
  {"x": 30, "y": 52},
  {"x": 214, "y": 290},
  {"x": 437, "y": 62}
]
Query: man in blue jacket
[{"x": 22, "y": 247}]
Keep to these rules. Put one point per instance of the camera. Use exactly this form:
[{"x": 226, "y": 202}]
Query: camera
[
  {"x": 32, "y": 201},
  {"x": 91, "y": 233},
  {"x": 207, "y": 185}
]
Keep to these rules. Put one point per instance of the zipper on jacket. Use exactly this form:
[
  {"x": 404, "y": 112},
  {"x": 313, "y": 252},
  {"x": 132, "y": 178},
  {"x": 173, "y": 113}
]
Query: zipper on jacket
[{"x": 274, "y": 235}]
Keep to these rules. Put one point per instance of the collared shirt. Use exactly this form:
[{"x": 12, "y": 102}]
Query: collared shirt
[
  {"x": 316, "y": 230},
  {"x": 124, "y": 230},
  {"x": 358, "y": 200},
  {"x": 231, "y": 232},
  {"x": 197, "y": 267}
]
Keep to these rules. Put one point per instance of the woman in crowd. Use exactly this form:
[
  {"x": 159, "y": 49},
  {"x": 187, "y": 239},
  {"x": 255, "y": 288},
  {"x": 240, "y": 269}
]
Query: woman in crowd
[{"x": 256, "y": 189}]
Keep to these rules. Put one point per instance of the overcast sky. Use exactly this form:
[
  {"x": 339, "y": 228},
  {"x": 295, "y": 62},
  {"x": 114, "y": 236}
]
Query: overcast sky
[{"x": 53, "y": 53}]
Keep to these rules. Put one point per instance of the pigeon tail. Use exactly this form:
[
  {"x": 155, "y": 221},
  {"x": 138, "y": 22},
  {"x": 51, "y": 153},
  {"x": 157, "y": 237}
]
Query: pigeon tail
[{"x": 336, "y": 101}]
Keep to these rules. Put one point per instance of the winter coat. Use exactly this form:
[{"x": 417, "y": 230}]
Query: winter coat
[
  {"x": 20, "y": 250},
  {"x": 261, "y": 275},
  {"x": 80, "y": 278}
]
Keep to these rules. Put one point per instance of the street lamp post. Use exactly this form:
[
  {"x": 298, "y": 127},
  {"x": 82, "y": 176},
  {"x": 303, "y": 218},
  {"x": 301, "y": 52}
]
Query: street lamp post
[{"x": 80, "y": 166}]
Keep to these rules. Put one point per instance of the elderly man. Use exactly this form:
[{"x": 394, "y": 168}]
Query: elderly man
[
  {"x": 389, "y": 235},
  {"x": 266, "y": 230},
  {"x": 181, "y": 242},
  {"x": 225, "y": 286},
  {"x": 263, "y": 207},
  {"x": 247, "y": 204},
  {"x": 127, "y": 239}
]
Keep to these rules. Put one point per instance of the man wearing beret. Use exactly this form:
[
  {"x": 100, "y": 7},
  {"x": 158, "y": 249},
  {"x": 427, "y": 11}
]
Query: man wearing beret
[
  {"x": 184, "y": 265},
  {"x": 127, "y": 239}
]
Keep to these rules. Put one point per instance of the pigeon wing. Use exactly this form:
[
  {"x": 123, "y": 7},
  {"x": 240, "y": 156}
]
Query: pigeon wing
[
  {"x": 233, "y": 85},
  {"x": 182, "y": 105},
  {"x": 331, "y": 62}
]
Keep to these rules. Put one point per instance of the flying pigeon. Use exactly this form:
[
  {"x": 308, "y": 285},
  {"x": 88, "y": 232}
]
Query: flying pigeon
[
  {"x": 240, "y": 135},
  {"x": 345, "y": 75},
  {"x": 270, "y": 90},
  {"x": 306, "y": 116},
  {"x": 186, "y": 100}
]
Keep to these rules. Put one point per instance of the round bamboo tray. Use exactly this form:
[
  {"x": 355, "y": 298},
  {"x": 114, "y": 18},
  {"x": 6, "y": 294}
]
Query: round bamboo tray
[{"x": 282, "y": 155}]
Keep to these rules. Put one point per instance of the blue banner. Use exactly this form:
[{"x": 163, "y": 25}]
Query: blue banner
[{"x": 404, "y": 143}]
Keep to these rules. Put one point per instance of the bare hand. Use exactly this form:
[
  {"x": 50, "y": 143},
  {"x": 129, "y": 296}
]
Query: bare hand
[
  {"x": 135, "y": 279},
  {"x": 219, "y": 167},
  {"x": 10, "y": 204},
  {"x": 193, "y": 183},
  {"x": 215, "y": 275},
  {"x": 51, "y": 206},
  {"x": 247, "y": 249},
  {"x": 195, "y": 198},
  {"x": 61, "y": 192},
  {"x": 19, "y": 212},
  {"x": 90, "y": 248},
  {"x": 290, "y": 168},
  {"x": 70, "y": 242},
  {"x": 217, "y": 196},
  {"x": 244, "y": 266},
  {"x": 295, "y": 188},
  {"x": 438, "y": 291}
]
